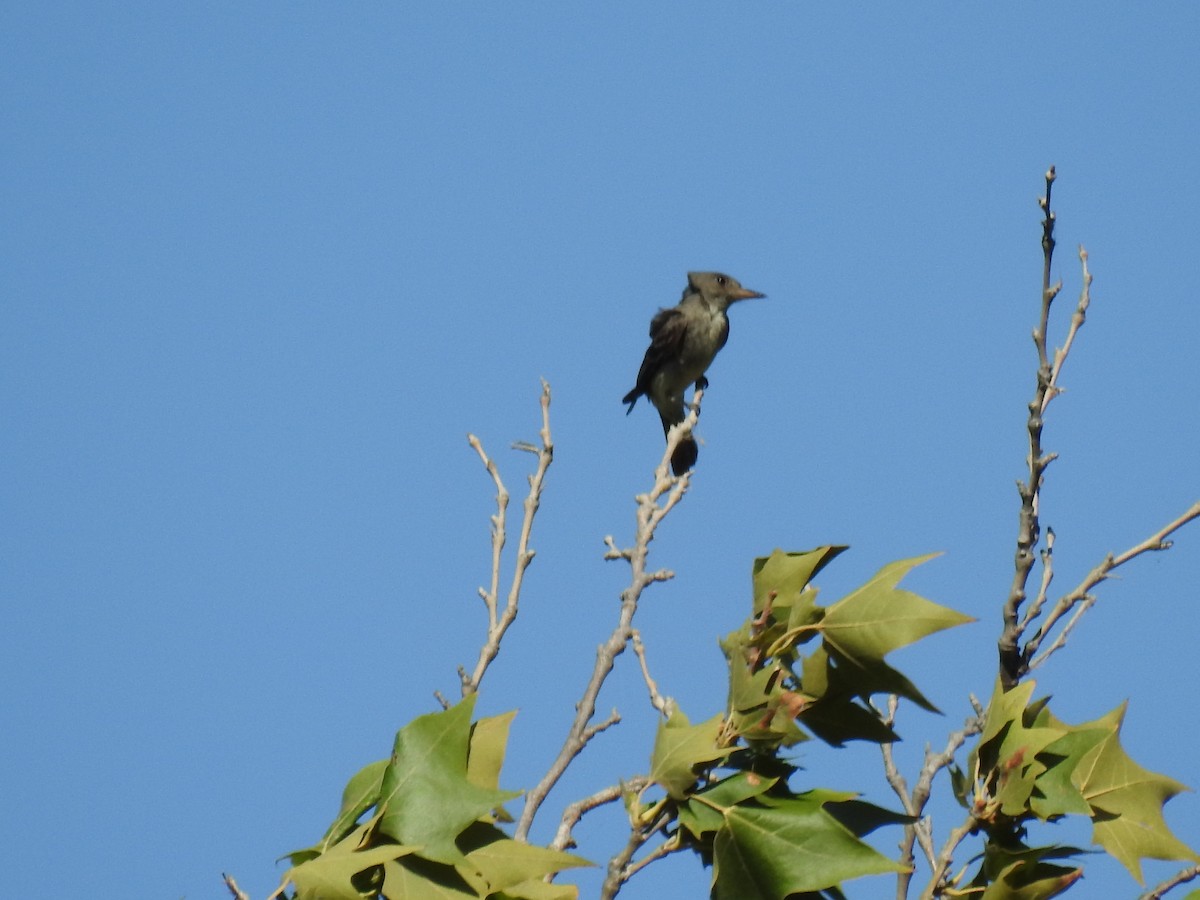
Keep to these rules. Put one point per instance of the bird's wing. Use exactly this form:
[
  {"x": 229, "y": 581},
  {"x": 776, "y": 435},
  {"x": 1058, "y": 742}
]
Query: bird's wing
[{"x": 667, "y": 329}]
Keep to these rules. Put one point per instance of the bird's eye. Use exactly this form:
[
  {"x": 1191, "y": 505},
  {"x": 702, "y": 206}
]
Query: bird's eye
[{"x": 721, "y": 280}]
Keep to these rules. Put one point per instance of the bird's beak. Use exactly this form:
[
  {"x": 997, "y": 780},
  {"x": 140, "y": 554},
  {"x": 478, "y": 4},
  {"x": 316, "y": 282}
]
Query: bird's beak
[{"x": 745, "y": 294}]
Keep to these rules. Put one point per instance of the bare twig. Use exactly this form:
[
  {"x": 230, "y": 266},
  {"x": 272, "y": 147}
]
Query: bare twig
[
  {"x": 666, "y": 848},
  {"x": 499, "y": 621},
  {"x": 649, "y": 514},
  {"x": 921, "y": 832},
  {"x": 945, "y": 860},
  {"x": 1183, "y": 876},
  {"x": 563, "y": 839},
  {"x": 238, "y": 893},
  {"x": 1029, "y": 528},
  {"x": 1035, "y": 608},
  {"x": 656, "y": 699},
  {"x": 1082, "y": 597},
  {"x": 620, "y": 869}
]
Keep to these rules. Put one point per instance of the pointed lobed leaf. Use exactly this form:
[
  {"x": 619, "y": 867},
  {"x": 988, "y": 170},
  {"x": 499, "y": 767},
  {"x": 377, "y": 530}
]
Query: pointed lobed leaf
[
  {"x": 679, "y": 747},
  {"x": 1031, "y": 881},
  {"x": 1009, "y": 748},
  {"x": 329, "y": 876},
  {"x": 1128, "y": 802},
  {"x": 792, "y": 846},
  {"x": 877, "y": 618},
  {"x": 836, "y": 721},
  {"x": 750, "y": 690},
  {"x": 704, "y": 812},
  {"x": 489, "y": 740},
  {"x": 864, "y": 677},
  {"x": 416, "y": 879},
  {"x": 426, "y": 796},
  {"x": 1056, "y": 793},
  {"x": 536, "y": 889},
  {"x": 360, "y": 794},
  {"x": 862, "y": 817},
  {"x": 785, "y": 575},
  {"x": 506, "y": 863},
  {"x": 1023, "y": 872}
]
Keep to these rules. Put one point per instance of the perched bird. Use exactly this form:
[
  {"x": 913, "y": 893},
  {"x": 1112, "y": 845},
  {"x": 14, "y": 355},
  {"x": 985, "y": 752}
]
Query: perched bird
[{"x": 683, "y": 341}]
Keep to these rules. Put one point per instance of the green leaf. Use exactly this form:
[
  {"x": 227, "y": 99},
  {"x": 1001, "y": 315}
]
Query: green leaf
[
  {"x": 361, "y": 793},
  {"x": 747, "y": 690},
  {"x": 507, "y": 863},
  {"x": 1031, "y": 881},
  {"x": 489, "y": 740},
  {"x": 781, "y": 577},
  {"x": 1009, "y": 749},
  {"x": 862, "y": 817},
  {"x": 413, "y": 878},
  {"x": 426, "y": 796},
  {"x": 537, "y": 889},
  {"x": 1127, "y": 801},
  {"x": 836, "y": 721},
  {"x": 1056, "y": 793},
  {"x": 1022, "y": 873},
  {"x": 792, "y": 846},
  {"x": 704, "y": 811},
  {"x": 329, "y": 877},
  {"x": 679, "y": 747},
  {"x": 877, "y": 618}
]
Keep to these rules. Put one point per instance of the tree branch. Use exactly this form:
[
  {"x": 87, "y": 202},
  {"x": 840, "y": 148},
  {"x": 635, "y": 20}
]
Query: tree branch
[
  {"x": 1082, "y": 596},
  {"x": 563, "y": 838},
  {"x": 238, "y": 893},
  {"x": 1028, "y": 530},
  {"x": 914, "y": 804},
  {"x": 946, "y": 858},
  {"x": 656, "y": 699},
  {"x": 499, "y": 622},
  {"x": 1183, "y": 876},
  {"x": 620, "y": 869},
  {"x": 649, "y": 514}
]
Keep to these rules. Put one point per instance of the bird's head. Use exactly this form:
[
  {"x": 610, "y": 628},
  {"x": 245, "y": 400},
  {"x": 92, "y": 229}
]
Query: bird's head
[{"x": 718, "y": 288}]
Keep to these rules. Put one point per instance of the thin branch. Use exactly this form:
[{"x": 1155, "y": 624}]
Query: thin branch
[
  {"x": 1183, "y": 876},
  {"x": 1035, "y": 608},
  {"x": 238, "y": 893},
  {"x": 945, "y": 859},
  {"x": 563, "y": 839},
  {"x": 649, "y": 515},
  {"x": 666, "y": 848},
  {"x": 619, "y": 868},
  {"x": 499, "y": 622},
  {"x": 1082, "y": 597},
  {"x": 921, "y": 832},
  {"x": 1077, "y": 319},
  {"x": 656, "y": 699},
  {"x": 1029, "y": 528}
]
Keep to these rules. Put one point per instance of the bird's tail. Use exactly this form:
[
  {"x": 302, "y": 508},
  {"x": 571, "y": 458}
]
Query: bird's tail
[{"x": 685, "y": 455}]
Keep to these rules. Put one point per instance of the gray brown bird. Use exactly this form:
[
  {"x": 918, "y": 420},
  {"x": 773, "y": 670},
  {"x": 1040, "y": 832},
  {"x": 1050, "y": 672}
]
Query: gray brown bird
[{"x": 683, "y": 342}]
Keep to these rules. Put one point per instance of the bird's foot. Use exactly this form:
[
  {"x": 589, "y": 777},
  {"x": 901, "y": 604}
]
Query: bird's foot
[{"x": 702, "y": 383}]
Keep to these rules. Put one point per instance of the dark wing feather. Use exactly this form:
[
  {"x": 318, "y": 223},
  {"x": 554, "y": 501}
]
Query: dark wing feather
[{"x": 667, "y": 329}]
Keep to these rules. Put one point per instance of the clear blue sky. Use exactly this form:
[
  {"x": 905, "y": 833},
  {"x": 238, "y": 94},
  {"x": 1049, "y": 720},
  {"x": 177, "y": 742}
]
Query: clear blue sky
[{"x": 265, "y": 265}]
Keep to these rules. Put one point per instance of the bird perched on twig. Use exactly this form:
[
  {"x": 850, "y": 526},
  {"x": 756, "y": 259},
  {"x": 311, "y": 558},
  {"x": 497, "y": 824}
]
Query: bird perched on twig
[{"x": 683, "y": 342}]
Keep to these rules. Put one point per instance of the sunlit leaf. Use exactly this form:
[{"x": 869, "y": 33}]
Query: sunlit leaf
[
  {"x": 679, "y": 747},
  {"x": 1127, "y": 801},
  {"x": 792, "y": 846},
  {"x": 426, "y": 796}
]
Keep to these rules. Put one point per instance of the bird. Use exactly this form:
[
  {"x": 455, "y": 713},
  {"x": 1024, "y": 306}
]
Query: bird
[{"x": 684, "y": 340}]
